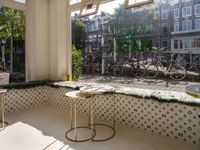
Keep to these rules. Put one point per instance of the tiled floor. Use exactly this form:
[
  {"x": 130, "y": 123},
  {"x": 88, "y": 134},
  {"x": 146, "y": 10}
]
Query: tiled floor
[{"x": 43, "y": 128}]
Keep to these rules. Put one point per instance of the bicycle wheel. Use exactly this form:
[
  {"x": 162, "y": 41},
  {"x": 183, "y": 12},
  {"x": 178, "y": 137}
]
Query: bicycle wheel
[
  {"x": 118, "y": 70},
  {"x": 197, "y": 66},
  {"x": 138, "y": 71},
  {"x": 109, "y": 67},
  {"x": 152, "y": 71},
  {"x": 178, "y": 73}
]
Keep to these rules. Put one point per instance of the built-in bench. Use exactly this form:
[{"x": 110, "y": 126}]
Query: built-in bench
[{"x": 172, "y": 114}]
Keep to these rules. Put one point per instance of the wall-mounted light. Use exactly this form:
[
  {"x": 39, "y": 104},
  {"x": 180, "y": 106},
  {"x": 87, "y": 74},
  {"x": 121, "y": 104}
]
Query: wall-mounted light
[
  {"x": 136, "y": 3},
  {"x": 89, "y": 7}
]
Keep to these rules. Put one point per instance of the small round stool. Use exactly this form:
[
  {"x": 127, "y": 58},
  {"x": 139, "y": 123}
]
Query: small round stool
[{"x": 74, "y": 96}]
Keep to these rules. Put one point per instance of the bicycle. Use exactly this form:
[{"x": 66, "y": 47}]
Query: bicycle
[
  {"x": 134, "y": 67},
  {"x": 197, "y": 63},
  {"x": 175, "y": 69},
  {"x": 91, "y": 66}
]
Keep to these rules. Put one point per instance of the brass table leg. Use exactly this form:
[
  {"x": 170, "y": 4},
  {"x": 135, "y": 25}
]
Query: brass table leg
[
  {"x": 106, "y": 125},
  {"x": 73, "y": 110},
  {"x": 2, "y": 121}
]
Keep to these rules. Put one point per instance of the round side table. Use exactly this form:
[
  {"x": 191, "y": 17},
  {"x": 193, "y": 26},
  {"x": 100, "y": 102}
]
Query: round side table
[
  {"x": 2, "y": 116},
  {"x": 93, "y": 91},
  {"x": 74, "y": 96},
  {"x": 193, "y": 90}
]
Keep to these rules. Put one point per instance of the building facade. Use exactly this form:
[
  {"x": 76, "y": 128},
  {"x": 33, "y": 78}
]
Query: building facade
[
  {"x": 185, "y": 37},
  {"x": 97, "y": 34},
  {"x": 175, "y": 27}
]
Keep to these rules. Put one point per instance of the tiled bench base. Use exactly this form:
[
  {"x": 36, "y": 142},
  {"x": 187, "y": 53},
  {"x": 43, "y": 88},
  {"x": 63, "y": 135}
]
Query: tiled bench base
[{"x": 175, "y": 120}]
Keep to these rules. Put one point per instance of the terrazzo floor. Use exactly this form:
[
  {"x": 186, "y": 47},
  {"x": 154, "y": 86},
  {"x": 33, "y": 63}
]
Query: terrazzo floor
[{"x": 44, "y": 128}]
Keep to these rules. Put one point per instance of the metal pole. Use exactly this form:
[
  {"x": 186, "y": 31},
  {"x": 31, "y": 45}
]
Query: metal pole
[
  {"x": 3, "y": 56},
  {"x": 3, "y": 120},
  {"x": 75, "y": 120}
]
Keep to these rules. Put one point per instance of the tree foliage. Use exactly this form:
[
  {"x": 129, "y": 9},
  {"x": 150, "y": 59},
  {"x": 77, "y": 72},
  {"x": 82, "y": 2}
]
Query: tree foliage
[
  {"x": 132, "y": 28},
  {"x": 77, "y": 62},
  {"x": 12, "y": 28},
  {"x": 78, "y": 33},
  {"x": 12, "y": 23}
]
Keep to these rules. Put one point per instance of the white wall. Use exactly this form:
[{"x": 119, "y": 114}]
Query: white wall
[
  {"x": 46, "y": 39},
  {"x": 58, "y": 38},
  {"x": 37, "y": 40}
]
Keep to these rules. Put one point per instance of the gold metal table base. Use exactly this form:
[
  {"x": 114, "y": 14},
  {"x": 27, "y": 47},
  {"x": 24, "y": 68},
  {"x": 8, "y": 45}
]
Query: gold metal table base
[
  {"x": 2, "y": 117},
  {"x": 3, "y": 124},
  {"x": 104, "y": 139},
  {"x": 74, "y": 96},
  {"x": 76, "y": 138}
]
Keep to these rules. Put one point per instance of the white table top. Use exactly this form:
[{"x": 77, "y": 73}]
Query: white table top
[
  {"x": 76, "y": 94},
  {"x": 3, "y": 91},
  {"x": 92, "y": 89},
  {"x": 193, "y": 90}
]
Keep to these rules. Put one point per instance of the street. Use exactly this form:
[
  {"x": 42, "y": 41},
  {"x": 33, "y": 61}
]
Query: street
[{"x": 144, "y": 83}]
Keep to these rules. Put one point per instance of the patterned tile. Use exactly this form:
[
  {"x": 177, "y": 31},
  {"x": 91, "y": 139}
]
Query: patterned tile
[{"x": 174, "y": 120}]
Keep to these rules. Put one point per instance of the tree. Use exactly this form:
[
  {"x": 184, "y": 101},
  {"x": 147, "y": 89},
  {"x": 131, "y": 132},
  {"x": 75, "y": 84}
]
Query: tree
[
  {"x": 12, "y": 26},
  {"x": 78, "y": 33},
  {"x": 132, "y": 28},
  {"x": 77, "y": 62}
]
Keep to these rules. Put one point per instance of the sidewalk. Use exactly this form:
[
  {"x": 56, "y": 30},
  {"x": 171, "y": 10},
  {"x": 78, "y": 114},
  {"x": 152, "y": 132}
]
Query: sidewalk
[{"x": 144, "y": 83}]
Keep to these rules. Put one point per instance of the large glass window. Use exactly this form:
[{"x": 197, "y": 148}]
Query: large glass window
[
  {"x": 116, "y": 33},
  {"x": 197, "y": 24},
  {"x": 176, "y": 26},
  {"x": 164, "y": 13},
  {"x": 176, "y": 13},
  {"x": 187, "y": 11},
  {"x": 178, "y": 44},
  {"x": 164, "y": 43},
  {"x": 175, "y": 44},
  {"x": 187, "y": 25},
  {"x": 197, "y": 10},
  {"x": 165, "y": 29},
  {"x": 12, "y": 45},
  {"x": 196, "y": 42},
  {"x": 187, "y": 43}
]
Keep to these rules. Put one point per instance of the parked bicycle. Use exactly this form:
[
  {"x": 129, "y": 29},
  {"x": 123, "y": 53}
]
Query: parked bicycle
[
  {"x": 134, "y": 67},
  {"x": 197, "y": 63},
  {"x": 176, "y": 69},
  {"x": 91, "y": 65}
]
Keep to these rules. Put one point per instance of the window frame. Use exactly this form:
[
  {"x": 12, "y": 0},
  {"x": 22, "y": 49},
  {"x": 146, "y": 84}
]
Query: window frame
[
  {"x": 178, "y": 24},
  {"x": 176, "y": 17},
  {"x": 183, "y": 25},
  {"x": 197, "y": 5},
  {"x": 137, "y": 4},
  {"x": 188, "y": 15},
  {"x": 165, "y": 40},
  {"x": 167, "y": 12},
  {"x": 198, "y": 19}
]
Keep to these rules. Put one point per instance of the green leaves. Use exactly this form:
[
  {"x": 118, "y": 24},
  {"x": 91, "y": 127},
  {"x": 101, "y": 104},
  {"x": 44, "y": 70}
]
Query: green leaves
[
  {"x": 78, "y": 33},
  {"x": 12, "y": 23},
  {"x": 77, "y": 62}
]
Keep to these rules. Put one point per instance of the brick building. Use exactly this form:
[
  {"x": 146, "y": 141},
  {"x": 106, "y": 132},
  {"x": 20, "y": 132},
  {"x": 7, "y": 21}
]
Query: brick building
[
  {"x": 185, "y": 22},
  {"x": 97, "y": 34}
]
